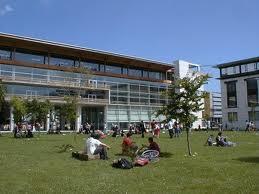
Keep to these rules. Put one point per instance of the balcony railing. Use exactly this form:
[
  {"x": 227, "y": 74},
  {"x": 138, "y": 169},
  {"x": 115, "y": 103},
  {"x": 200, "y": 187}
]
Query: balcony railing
[
  {"x": 57, "y": 99},
  {"x": 56, "y": 81}
]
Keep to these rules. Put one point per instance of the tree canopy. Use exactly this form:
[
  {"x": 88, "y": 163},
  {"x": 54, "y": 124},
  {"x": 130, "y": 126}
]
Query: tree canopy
[{"x": 184, "y": 99}]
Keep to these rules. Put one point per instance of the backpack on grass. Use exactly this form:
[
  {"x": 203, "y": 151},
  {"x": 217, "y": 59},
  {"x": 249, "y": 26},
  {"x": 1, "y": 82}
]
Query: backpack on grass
[{"x": 122, "y": 163}]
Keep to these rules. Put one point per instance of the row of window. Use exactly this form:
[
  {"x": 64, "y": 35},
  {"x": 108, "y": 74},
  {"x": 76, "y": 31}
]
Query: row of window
[
  {"x": 240, "y": 69},
  {"x": 66, "y": 62},
  {"x": 43, "y": 75},
  {"x": 252, "y": 116},
  {"x": 252, "y": 93}
]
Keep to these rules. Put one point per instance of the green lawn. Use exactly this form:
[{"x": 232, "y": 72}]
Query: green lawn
[{"x": 35, "y": 166}]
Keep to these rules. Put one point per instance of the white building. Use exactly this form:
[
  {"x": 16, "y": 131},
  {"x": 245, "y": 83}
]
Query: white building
[
  {"x": 239, "y": 82},
  {"x": 183, "y": 69}
]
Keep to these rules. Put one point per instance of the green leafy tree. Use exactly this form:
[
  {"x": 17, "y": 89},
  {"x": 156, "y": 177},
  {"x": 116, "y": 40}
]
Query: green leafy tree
[
  {"x": 2, "y": 94},
  {"x": 68, "y": 110},
  {"x": 32, "y": 110},
  {"x": 38, "y": 110},
  {"x": 19, "y": 109},
  {"x": 206, "y": 118},
  {"x": 184, "y": 99}
]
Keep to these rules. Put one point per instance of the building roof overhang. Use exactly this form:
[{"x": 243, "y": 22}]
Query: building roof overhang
[
  {"x": 239, "y": 62},
  {"x": 11, "y": 40}
]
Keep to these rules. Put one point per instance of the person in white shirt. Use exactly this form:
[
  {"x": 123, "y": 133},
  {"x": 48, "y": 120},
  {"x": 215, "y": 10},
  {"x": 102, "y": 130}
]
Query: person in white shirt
[
  {"x": 94, "y": 147},
  {"x": 171, "y": 129}
]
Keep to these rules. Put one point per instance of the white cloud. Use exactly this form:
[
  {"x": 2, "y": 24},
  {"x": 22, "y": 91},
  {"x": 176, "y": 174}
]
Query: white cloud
[{"x": 5, "y": 9}]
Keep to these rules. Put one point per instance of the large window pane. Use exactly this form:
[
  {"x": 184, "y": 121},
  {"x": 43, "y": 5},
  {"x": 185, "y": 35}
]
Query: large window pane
[
  {"x": 154, "y": 75},
  {"x": 6, "y": 70},
  {"x": 134, "y": 88},
  {"x": 123, "y": 87},
  {"x": 252, "y": 92},
  {"x": 113, "y": 69},
  {"x": 134, "y": 100},
  {"x": 23, "y": 72},
  {"x": 122, "y": 100},
  {"x": 90, "y": 66},
  {"x": 253, "y": 115},
  {"x": 29, "y": 57},
  {"x": 61, "y": 62},
  {"x": 5, "y": 54},
  {"x": 145, "y": 73},
  {"x": 231, "y": 94},
  {"x": 144, "y": 89},
  {"x": 135, "y": 72},
  {"x": 232, "y": 116}
]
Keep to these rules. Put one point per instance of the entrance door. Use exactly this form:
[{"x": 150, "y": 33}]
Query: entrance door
[{"x": 93, "y": 115}]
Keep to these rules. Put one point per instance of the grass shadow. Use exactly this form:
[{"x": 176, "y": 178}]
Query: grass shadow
[
  {"x": 252, "y": 159},
  {"x": 120, "y": 154},
  {"x": 165, "y": 155},
  {"x": 63, "y": 148}
]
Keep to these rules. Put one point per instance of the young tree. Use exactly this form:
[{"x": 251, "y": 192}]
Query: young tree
[
  {"x": 184, "y": 98},
  {"x": 68, "y": 110},
  {"x": 2, "y": 94},
  {"x": 19, "y": 109}
]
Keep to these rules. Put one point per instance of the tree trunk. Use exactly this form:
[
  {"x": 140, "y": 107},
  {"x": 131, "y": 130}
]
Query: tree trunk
[{"x": 188, "y": 142}]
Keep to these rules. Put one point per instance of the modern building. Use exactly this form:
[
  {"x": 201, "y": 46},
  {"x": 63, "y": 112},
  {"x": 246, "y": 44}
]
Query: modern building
[
  {"x": 183, "y": 69},
  {"x": 212, "y": 114},
  {"x": 239, "y": 82},
  {"x": 119, "y": 90}
]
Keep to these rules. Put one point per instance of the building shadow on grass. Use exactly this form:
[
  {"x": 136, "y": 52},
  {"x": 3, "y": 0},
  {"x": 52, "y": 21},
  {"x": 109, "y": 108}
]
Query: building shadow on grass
[{"x": 252, "y": 159}]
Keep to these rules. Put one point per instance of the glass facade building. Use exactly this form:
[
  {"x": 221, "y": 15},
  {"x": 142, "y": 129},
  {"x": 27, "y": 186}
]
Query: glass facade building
[{"x": 112, "y": 89}]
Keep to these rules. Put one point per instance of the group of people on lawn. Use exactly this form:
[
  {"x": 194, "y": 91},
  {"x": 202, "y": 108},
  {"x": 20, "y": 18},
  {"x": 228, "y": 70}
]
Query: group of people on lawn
[
  {"x": 95, "y": 147},
  {"x": 221, "y": 141}
]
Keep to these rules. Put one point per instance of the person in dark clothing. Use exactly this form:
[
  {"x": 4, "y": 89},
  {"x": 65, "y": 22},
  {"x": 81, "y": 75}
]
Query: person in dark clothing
[
  {"x": 142, "y": 128},
  {"x": 153, "y": 145},
  {"x": 220, "y": 140},
  {"x": 92, "y": 128},
  {"x": 29, "y": 134}
]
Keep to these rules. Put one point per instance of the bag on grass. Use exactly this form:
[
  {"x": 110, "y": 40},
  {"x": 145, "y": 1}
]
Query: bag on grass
[
  {"x": 122, "y": 163},
  {"x": 141, "y": 161}
]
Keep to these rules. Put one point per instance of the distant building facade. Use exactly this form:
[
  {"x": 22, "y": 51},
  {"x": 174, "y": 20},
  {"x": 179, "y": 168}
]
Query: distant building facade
[
  {"x": 239, "y": 82},
  {"x": 212, "y": 114},
  {"x": 184, "y": 69}
]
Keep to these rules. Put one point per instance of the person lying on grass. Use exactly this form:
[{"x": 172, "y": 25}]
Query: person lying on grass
[
  {"x": 128, "y": 146},
  {"x": 152, "y": 146},
  {"x": 223, "y": 142},
  {"x": 95, "y": 147}
]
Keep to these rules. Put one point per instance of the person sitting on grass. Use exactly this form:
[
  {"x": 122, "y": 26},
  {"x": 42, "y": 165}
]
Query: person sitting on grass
[
  {"x": 210, "y": 141},
  {"x": 128, "y": 145},
  {"x": 223, "y": 142},
  {"x": 95, "y": 147},
  {"x": 152, "y": 146}
]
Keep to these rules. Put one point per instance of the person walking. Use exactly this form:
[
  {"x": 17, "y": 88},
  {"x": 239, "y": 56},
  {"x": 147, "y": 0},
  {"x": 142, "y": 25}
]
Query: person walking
[
  {"x": 142, "y": 128},
  {"x": 170, "y": 129}
]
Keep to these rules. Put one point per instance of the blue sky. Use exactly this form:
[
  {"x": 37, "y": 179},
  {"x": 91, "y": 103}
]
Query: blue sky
[{"x": 206, "y": 32}]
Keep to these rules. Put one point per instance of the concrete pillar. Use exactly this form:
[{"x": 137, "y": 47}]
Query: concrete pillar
[
  {"x": 78, "y": 116},
  {"x": 11, "y": 119},
  {"x": 47, "y": 121}
]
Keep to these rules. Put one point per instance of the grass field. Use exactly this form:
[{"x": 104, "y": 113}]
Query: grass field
[{"x": 35, "y": 166}]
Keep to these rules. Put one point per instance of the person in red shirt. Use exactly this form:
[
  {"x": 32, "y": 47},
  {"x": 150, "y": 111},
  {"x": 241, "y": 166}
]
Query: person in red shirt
[
  {"x": 128, "y": 145},
  {"x": 153, "y": 145}
]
